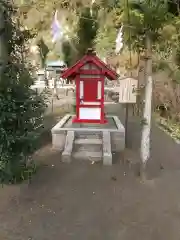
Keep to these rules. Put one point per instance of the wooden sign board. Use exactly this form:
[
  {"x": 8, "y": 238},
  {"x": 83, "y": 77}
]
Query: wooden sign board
[{"x": 127, "y": 90}]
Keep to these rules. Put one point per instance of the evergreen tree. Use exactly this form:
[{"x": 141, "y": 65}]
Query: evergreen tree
[
  {"x": 43, "y": 52},
  {"x": 87, "y": 30},
  {"x": 67, "y": 51},
  {"x": 21, "y": 108}
]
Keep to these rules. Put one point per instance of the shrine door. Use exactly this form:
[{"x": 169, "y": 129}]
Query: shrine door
[{"x": 90, "y": 95}]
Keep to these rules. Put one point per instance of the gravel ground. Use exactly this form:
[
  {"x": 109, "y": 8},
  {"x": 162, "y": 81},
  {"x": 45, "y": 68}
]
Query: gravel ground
[{"x": 81, "y": 201}]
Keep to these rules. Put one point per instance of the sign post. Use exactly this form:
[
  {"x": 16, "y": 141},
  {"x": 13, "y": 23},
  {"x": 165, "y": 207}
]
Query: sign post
[
  {"x": 127, "y": 95},
  {"x": 126, "y": 122}
]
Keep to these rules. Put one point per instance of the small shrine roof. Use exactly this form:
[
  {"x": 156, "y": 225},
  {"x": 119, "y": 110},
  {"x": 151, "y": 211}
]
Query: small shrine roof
[{"x": 90, "y": 57}]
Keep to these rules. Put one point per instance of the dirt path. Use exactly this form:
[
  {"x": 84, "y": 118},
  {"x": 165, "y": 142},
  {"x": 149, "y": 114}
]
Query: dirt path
[{"x": 81, "y": 201}]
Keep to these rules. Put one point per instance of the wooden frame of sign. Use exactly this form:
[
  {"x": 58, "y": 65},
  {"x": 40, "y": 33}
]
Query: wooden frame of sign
[{"x": 127, "y": 95}]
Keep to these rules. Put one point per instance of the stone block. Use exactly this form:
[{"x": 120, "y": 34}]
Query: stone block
[
  {"x": 92, "y": 142},
  {"x": 117, "y": 141},
  {"x": 107, "y": 159},
  {"x": 58, "y": 140},
  {"x": 66, "y": 155},
  {"x": 107, "y": 155}
]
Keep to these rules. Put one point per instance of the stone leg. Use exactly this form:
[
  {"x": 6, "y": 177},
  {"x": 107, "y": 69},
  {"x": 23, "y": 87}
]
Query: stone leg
[
  {"x": 107, "y": 155},
  {"x": 66, "y": 155},
  {"x": 58, "y": 141}
]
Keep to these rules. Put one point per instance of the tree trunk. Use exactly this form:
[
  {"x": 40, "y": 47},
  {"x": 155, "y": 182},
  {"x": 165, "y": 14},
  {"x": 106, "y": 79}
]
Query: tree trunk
[
  {"x": 55, "y": 94},
  {"x": 138, "y": 101},
  {"x": 3, "y": 47},
  {"x": 45, "y": 77},
  {"x": 146, "y": 128}
]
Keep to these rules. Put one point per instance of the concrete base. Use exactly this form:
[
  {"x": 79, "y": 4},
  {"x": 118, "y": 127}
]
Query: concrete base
[
  {"x": 101, "y": 121},
  {"x": 58, "y": 140},
  {"x": 107, "y": 159},
  {"x": 82, "y": 140},
  {"x": 66, "y": 155},
  {"x": 107, "y": 155}
]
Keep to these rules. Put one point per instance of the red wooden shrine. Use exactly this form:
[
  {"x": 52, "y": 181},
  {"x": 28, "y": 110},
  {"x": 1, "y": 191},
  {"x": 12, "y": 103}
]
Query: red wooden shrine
[{"x": 89, "y": 74}]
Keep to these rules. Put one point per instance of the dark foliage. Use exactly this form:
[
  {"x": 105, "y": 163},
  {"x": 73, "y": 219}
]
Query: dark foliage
[
  {"x": 174, "y": 7},
  {"x": 21, "y": 108},
  {"x": 67, "y": 52},
  {"x": 43, "y": 51},
  {"x": 87, "y": 30}
]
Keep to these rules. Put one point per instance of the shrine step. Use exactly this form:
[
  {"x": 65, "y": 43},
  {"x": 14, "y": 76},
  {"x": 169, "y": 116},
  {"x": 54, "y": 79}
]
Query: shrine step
[
  {"x": 88, "y": 146},
  {"x": 95, "y": 141},
  {"x": 88, "y": 135},
  {"x": 91, "y": 156}
]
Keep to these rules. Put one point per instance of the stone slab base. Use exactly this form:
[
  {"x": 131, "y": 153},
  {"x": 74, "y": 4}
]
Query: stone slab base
[
  {"x": 106, "y": 142},
  {"x": 65, "y": 138},
  {"x": 66, "y": 157},
  {"x": 107, "y": 159},
  {"x": 68, "y": 148}
]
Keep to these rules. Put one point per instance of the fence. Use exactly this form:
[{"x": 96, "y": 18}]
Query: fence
[{"x": 42, "y": 84}]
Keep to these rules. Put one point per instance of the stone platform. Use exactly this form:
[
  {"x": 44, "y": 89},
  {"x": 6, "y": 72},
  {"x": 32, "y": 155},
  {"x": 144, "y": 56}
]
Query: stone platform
[{"x": 92, "y": 142}]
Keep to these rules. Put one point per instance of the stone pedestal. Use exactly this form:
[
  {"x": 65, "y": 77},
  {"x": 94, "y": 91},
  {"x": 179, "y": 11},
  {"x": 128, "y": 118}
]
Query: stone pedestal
[{"x": 98, "y": 141}]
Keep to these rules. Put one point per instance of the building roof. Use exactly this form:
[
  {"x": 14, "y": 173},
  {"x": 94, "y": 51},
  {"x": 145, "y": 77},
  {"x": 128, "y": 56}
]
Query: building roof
[
  {"x": 55, "y": 63},
  {"x": 90, "y": 57}
]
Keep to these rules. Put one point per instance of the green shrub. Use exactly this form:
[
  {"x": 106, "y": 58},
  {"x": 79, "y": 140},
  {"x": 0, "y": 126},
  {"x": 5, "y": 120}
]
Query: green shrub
[
  {"x": 21, "y": 108},
  {"x": 74, "y": 108}
]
